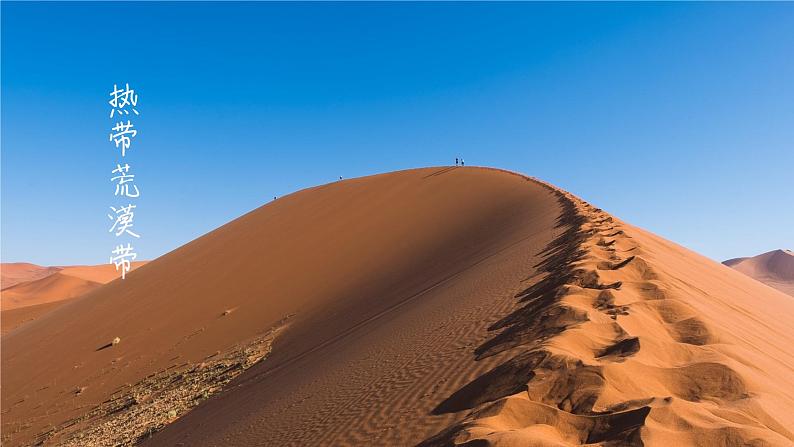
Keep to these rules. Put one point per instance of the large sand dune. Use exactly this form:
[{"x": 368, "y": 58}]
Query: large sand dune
[
  {"x": 774, "y": 268},
  {"x": 440, "y": 306}
]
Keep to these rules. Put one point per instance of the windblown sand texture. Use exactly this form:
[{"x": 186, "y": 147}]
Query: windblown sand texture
[{"x": 439, "y": 306}]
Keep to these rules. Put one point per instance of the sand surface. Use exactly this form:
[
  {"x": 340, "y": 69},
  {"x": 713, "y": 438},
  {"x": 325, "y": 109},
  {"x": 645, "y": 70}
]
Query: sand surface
[
  {"x": 441, "y": 306},
  {"x": 13, "y": 318},
  {"x": 774, "y": 268}
]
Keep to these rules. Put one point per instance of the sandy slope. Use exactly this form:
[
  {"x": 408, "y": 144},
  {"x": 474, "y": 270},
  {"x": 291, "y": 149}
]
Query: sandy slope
[
  {"x": 326, "y": 262},
  {"x": 35, "y": 290},
  {"x": 443, "y": 306},
  {"x": 633, "y": 339},
  {"x": 14, "y": 318},
  {"x": 774, "y": 268}
]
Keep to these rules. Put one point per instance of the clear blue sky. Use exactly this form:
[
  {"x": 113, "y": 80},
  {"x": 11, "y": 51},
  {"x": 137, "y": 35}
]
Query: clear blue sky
[{"x": 676, "y": 117}]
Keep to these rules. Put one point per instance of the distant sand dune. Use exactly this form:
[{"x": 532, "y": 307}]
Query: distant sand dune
[
  {"x": 34, "y": 290},
  {"x": 13, "y": 273},
  {"x": 440, "y": 306},
  {"x": 55, "y": 287},
  {"x": 774, "y": 268},
  {"x": 102, "y": 273}
]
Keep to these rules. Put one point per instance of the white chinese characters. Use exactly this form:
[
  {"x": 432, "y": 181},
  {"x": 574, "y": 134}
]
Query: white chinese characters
[
  {"x": 121, "y": 99},
  {"x": 122, "y": 135},
  {"x": 125, "y": 182},
  {"x": 123, "y": 259},
  {"x": 122, "y": 220},
  {"x": 123, "y": 102}
]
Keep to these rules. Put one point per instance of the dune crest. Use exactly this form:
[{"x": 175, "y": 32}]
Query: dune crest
[{"x": 632, "y": 340}]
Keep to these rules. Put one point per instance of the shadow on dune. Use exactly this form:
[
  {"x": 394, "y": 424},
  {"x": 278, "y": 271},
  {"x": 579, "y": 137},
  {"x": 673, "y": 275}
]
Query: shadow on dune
[{"x": 541, "y": 317}]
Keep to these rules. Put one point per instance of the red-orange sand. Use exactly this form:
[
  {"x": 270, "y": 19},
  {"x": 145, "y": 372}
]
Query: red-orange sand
[{"x": 442, "y": 306}]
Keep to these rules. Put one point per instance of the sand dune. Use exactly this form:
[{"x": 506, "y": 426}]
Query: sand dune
[
  {"x": 55, "y": 287},
  {"x": 774, "y": 268},
  {"x": 13, "y": 273},
  {"x": 441, "y": 306}
]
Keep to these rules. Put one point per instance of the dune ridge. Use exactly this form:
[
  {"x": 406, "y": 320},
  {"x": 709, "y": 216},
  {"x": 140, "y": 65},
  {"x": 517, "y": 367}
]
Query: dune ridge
[{"x": 615, "y": 347}]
